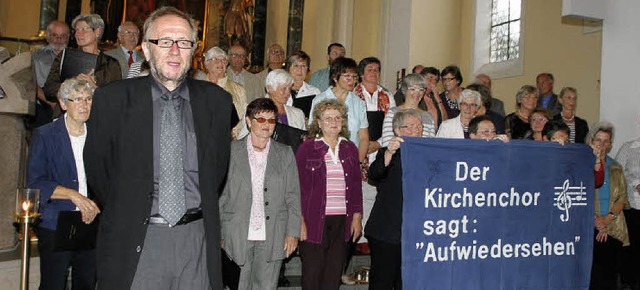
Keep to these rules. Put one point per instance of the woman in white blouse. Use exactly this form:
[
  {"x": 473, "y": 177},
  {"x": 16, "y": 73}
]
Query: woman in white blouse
[
  {"x": 297, "y": 66},
  {"x": 278, "y": 84}
]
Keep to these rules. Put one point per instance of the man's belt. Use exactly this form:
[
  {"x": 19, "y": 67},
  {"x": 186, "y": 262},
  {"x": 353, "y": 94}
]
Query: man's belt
[{"x": 191, "y": 216}]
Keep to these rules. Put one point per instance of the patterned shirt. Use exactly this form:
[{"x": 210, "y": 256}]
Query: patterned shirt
[
  {"x": 258, "y": 165},
  {"x": 336, "y": 185}
]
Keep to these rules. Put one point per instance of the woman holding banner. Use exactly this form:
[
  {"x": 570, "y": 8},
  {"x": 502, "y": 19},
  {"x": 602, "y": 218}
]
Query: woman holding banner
[
  {"x": 611, "y": 198},
  {"x": 331, "y": 196},
  {"x": 383, "y": 228}
]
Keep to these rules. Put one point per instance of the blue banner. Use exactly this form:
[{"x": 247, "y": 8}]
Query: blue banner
[{"x": 494, "y": 215}]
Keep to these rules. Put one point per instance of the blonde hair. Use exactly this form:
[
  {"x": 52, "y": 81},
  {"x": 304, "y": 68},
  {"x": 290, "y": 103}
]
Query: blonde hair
[{"x": 314, "y": 128}]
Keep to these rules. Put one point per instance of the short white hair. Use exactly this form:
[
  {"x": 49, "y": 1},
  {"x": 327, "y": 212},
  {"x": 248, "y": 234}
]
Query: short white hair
[
  {"x": 215, "y": 51},
  {"x": 278, "y": 77},
  {"x": 472, "y": 95}
]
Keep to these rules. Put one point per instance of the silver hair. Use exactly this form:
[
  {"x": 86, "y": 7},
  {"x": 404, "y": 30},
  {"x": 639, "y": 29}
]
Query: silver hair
[
  {"x": 472, "y": 95},
  {"x": 93, "y": 20},
  {"x": 170, "y": 11},
  {"x": 412, "y": 80},
  {"x": 401, "y": 116},
  {"x": 602, "y": 126},
  {"x": 278, "y": 77},
  {"x": 121, "y": 26},
  {"x": 215, "y": 51},
  {"x": 75, "y": 86}
]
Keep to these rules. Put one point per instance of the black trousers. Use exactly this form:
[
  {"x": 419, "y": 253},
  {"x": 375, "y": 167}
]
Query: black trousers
[
  {"x": 630, "y": 261},
  {"x": 54, "y": 265},
  {"x": 322, "y": 263},
  {"x": 606, "y": 258},
  {"x": 386, "y": 264}
]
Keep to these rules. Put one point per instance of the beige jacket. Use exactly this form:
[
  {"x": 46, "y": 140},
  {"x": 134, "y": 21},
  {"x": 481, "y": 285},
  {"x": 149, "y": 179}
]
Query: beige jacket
[{"x": 618, "y": 192}]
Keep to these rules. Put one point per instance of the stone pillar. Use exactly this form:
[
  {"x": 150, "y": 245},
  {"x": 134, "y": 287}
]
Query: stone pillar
[
  {"x": 11, "y": 173},
  {"x": 16, "y": 80}
]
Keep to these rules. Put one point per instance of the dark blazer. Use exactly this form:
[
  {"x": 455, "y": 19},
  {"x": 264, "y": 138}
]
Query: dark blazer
[
  {"x": 554, "y": 105},
  {"x": 107, "y": 70},
  {"x": 385, "y": 220},
  {"x": 123, "y": 59},
  {"x": 51, "y": 163},
  {"x": 281, "y": 201},
  {"x": 582, "y": 128},
  {"x": 119, "y": 164}
]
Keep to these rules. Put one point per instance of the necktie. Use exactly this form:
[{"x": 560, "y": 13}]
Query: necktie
[
  {"x": 171, "y": 188},
  {"x": 130, "y": 61}
]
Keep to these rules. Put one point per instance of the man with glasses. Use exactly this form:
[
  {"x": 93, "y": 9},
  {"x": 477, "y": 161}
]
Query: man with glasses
[
  {"x": 57, "y": 38},
  {"x": 237, "y": 73},
  {"x": 156, "y": 156},
  {"x": 275, "y": 60},
  {"x": 320, "y": 78},
  {"x": 126, "y": 53}
]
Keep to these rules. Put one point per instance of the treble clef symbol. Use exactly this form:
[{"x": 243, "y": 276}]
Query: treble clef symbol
[{"x": 564, "y": 201}]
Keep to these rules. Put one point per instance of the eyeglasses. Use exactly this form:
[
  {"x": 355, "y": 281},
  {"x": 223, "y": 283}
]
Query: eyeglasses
[
  {"x": 276, "y": 52},
  {"x": 83, "y": 29},
  {"x": 219, "y": 59},
  {"x": 332, "y": 119},
  {"x": 539, "y": 120},
  {"x": 447, "y": 79},
  {"x": 237, "y": 55},
  {"x": 127, "y": 32},
  {"x": 596, "y": 140},
  {"x": 487, "y": 132},
  {"x": 168, "y": 43},
  {"x": 261, "y": 120},
  {"x": 417, "y": 89},
  {"x": 300, "y": 66},
  {"x": 78, "y": 101},
  {"x": 349, "y": 76},
  {"x": 413, "y": 127},
  {"x": 470, "y": 105},
  {"x": 63, "y": 36}
]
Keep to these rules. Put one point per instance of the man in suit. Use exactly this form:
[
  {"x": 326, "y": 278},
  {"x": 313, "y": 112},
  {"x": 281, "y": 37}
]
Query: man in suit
[
  {"x": 320, "y": 78},
  {"x": 156, "y": 157},
  {"x": 126, "y": 53},
  {"x": 237, "y": 73},
  {"x": 547, "y": 99},
  {"x": 42, "y": 59},
  {"x": 497, "y": 105}
]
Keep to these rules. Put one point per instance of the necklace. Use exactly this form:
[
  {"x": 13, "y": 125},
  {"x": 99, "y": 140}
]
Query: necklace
[
  {"x": 257, "y": 147},
  {"x": 523, "y": 117}
]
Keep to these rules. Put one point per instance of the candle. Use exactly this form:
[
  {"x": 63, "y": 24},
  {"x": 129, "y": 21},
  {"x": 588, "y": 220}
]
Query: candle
[{"x": 26, "y": 207}]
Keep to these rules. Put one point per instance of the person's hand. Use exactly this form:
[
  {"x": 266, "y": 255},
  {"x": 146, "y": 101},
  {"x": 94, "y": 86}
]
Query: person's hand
[
  {"x": 602, "y": 236},
  {"x": 52, "y": 104},
  {"x": 600, "y": 223},
  {"x": 638, "y": 188},
  {"x": 502, "y": 137},
  {"x": 88, "y": 76},
  {"x": 373, "y": 146},
  {"x": 431, "y": 87},
  {"x": 88, "y": 208},
  {"x": 394, "y": 144},
  {"x": 290, "y": 245},
  {"x": 303, "y": 231},
  {"x": 222, "y": 244},
  {"x": 356, "y": 227}
]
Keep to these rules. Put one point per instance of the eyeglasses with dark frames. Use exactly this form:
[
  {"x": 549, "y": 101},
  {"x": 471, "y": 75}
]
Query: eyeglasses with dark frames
[{"x": 168, "y": 43}]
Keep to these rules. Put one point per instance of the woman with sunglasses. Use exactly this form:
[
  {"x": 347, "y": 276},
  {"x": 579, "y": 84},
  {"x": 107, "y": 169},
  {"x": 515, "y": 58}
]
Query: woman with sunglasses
[
  {"x": 260, "y": 204},
  {"x": 331, "y": 195}
]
